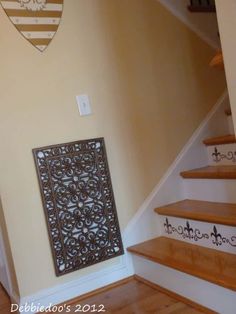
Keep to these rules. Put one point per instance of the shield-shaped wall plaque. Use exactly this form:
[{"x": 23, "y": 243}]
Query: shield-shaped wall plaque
[{"x": 36, "y": 20}]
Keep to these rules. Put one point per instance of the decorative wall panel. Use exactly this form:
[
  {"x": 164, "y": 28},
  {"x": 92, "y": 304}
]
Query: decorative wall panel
[{"x": 78, "y": 203}]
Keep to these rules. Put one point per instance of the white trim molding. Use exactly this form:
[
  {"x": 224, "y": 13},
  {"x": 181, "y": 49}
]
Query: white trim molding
[
  {"x": 67, "y": 291},
  {"x": 4, "y": 267}
]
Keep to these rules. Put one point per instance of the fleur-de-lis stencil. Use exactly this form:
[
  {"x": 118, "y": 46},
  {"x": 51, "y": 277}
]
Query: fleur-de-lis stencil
[
  {"x": 216, "y": 155},
  {"x": 189, "y": 230},
  {"x": 217, "y": 237},
  {"x": 168, "y": 226},
  {"x": 219, "y": 156},
  {"x": 185, "y": 232}
]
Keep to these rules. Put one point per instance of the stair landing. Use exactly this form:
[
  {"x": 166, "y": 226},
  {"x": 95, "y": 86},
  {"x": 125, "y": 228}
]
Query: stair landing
[
  {"x": 208, "y": 264},
  {"x": 220, "y": 213}
]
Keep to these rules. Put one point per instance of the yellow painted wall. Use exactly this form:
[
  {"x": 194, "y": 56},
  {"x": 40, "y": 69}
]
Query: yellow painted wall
[
  {"x": 226, "y": 14},
  {"x": 150, "y": 86}
]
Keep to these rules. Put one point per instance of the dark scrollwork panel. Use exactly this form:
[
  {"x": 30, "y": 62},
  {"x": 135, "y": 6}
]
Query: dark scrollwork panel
[{"x": 78, "y": 203}]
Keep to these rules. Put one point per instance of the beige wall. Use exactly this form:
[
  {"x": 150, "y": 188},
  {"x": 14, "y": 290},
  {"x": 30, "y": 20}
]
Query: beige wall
[
  {"x": 149, "y": 84},
  {"x": 226, "y": 13}
]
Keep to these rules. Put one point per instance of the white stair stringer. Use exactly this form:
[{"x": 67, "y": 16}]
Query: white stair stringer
[
  {"x": 230, "y": 124},
  {"x": 222, "y": 155},
  {"x": 210, "y": 235},
  {"x": 210, "y": 295},
  {"x": 212, "y": 190}
]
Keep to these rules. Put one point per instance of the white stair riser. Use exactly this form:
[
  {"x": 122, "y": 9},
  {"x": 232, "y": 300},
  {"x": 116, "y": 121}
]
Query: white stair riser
[
  {"x": 210, "y": 235},
  {"x": 222, "y": 155},
  {"x": 200, "y": 291},
  {"x": 213, "y": 190},
  {"x": 230, "y": 124}
]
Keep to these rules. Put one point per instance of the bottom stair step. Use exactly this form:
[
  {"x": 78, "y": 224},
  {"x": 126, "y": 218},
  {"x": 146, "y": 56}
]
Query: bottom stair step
[{"x": 208, "y": 264}]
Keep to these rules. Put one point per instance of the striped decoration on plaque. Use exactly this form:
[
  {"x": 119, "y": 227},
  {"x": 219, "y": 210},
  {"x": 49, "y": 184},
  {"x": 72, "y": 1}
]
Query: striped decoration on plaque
[{"x": 36, "y": 20}]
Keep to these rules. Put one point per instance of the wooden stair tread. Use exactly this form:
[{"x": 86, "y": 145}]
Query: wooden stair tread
[
  {"x": 221, "y": 213},
  {"x": 226, "y": 139},
  {"x": 217, "y": 60},
  {"x": 211, "y": 172},
  {"x": 228, "y": 112},
  {"x": 208, "y": 264}
]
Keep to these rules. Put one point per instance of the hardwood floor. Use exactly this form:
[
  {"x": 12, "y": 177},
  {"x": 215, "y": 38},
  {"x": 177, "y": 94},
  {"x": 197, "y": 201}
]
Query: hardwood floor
[
  {"x": 133, "y": 297},
  {"x": 4, "y": 302}
]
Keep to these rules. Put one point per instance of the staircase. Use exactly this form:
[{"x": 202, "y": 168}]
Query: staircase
[
  {"x": 195, "y": 255},
  {"x": 207, "y": 6}
]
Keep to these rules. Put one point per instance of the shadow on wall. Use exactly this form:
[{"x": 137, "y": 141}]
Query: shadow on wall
[{"x": 164, "y": 74}]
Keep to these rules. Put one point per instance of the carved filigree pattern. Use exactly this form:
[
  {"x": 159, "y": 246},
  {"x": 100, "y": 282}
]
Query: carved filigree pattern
[
  {"x": 218, "y": 156},
  {"x": 185, "y": 231},
  {"x": 79, "y": 204}
]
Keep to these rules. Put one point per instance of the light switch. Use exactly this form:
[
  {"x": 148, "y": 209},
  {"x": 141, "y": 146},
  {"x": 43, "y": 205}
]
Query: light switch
[{"x": 84, "y": 105}]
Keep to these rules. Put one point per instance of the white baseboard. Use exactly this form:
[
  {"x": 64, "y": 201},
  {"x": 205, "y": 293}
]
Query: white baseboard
[{"x": 82, "y": 285}]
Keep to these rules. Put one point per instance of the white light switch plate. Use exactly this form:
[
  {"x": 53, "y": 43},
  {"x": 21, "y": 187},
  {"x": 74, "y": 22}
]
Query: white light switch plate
[{"x": 84, "y": 105}]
